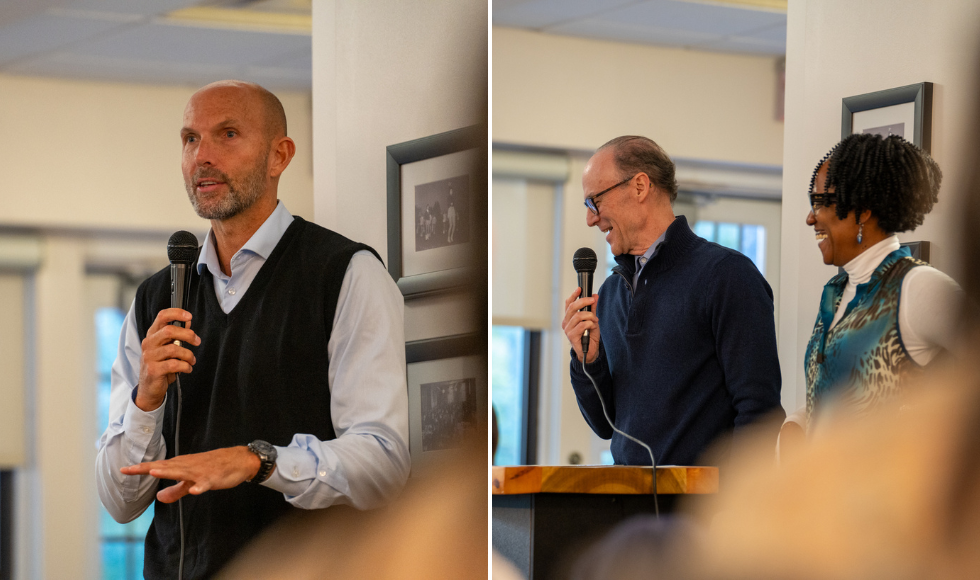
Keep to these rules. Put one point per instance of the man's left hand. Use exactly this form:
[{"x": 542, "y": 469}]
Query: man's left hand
[{"x": 199, "y": 472}]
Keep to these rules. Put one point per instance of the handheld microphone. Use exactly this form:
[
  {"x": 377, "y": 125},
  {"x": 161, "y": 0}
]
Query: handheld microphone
[
  {"x": 182, "y": 251},
  {"x": 585, "y": 262}
]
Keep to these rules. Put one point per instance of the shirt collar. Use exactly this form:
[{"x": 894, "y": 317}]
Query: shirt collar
[
  {"x": 262, "y": 242},
  {"x": 860, "y": 269},
  {"x": 650, "y": 253}
]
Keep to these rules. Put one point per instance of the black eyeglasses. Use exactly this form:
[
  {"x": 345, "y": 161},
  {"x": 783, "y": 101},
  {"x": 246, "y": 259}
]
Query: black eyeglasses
[
  {"x": 590, "y": 201},
  {"x": 819, "y": 200}
]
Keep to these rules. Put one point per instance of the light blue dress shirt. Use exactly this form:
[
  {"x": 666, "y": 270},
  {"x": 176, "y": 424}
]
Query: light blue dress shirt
[
  {"x": 365, "y": 466},
  {"x": 641, "y": 261}
]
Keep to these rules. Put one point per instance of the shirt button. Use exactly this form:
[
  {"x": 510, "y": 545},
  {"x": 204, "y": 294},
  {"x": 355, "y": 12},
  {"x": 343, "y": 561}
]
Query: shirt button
[
  {"x": 323, "y": 473},
  {"x": 145, "y": 429},
  {"x": 231, "y": 291},
  {"x": 295, "y": 472}
]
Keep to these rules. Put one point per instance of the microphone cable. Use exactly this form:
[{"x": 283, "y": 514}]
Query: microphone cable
[
  {"x": 656, "y": 507},
  {"x": 180, "y": 501}
]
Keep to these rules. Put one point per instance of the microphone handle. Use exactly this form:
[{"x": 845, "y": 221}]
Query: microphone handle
[
  {"x": 179, "y": 282},
  {"x": 585, "y": 283}
]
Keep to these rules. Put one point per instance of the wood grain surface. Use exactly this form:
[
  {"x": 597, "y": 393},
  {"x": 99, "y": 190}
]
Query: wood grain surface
[{"x": 602, "y": 479}]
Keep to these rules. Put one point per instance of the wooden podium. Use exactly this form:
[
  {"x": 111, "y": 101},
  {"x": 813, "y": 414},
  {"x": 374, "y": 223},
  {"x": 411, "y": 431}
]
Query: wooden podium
[{"x": 544, "y": 515}]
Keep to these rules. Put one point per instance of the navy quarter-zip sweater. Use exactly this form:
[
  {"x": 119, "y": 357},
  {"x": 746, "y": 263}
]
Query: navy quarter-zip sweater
[{"x": 686, "y": 356}]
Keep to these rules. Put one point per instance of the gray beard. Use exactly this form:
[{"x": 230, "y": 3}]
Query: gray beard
[{"x": 241, "y": 195}]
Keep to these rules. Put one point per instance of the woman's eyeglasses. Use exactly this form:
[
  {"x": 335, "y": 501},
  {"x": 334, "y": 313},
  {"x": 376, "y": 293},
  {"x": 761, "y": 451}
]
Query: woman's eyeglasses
[{"x": 819, "y": 200}]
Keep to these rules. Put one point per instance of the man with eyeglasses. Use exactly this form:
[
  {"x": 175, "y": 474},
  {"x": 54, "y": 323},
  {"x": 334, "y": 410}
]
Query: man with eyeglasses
[{"x": 682, "y": 340}]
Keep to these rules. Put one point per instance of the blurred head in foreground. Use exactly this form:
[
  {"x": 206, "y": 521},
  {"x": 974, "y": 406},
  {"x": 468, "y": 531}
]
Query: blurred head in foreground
[{"x": 437, "y": 529}]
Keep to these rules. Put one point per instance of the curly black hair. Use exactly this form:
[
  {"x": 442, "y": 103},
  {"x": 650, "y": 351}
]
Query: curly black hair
[{"x": 893, "y": 178}]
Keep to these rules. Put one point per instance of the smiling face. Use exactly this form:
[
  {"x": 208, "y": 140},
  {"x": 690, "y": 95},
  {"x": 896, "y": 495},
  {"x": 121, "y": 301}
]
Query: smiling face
[
  {"x": 836, "y": 237},
  {"x": 226, "y": 149},
  {"x": 618, "y": 214}
]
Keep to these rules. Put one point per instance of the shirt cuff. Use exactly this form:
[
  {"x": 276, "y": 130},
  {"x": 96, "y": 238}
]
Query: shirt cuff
[
  {"x": 293, "y": 471},
  {"x": 140, "y": 428}
]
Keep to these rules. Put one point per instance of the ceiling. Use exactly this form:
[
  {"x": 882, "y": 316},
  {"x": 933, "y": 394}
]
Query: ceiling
[
  {"x": 736, "y": 26},
  {"x": 159, "y": 41}
]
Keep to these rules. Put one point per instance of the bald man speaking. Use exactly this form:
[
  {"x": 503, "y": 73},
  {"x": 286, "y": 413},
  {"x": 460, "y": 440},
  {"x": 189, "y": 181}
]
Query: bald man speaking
[{"x": 286, "y": 388}]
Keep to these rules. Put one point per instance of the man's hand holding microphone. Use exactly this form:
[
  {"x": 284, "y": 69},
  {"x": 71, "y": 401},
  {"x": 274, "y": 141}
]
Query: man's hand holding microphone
[{"x": 581, "y": 324}]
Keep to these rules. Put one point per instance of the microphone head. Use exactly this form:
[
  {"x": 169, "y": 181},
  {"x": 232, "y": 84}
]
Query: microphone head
[
  {"x": 584, "y": 260},
  {"x": 182, "y": 248}
]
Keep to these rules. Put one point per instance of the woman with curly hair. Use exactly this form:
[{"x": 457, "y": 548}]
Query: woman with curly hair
[{"x": 887, "y": 315}]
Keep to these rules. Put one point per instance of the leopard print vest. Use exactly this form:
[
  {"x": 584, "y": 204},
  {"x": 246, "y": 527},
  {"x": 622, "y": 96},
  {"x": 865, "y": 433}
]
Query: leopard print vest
[{"x": 861, "y": 361}]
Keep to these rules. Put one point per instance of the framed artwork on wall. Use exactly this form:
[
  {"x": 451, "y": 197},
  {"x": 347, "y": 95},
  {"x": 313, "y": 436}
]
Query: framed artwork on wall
[
  {"x": 447, "y": 395},
  {"x": 432, "y": 199},
  {"x": 903, "y": 111}
]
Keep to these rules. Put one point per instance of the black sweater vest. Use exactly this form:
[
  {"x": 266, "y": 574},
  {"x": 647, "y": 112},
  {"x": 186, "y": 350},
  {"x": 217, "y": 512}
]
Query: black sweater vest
[{"x": 261, "y": 373}]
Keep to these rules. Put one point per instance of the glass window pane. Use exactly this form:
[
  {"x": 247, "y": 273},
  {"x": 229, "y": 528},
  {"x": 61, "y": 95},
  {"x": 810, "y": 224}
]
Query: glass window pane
[
  {"x": 754, "y": 245},
  {"x": 606, "y": 458},
  {"x": 705, "y": 229},
  {"x": 141, "y": 525},
  {"x": 108, "y": 323},
  {"x": 728, "y": 235},
  {"x": 137, "y": 555},
  {"x": 110, "y": 527},
  {"x": 114, "y": 560},
  {"x": 122, "y": 544},
  {"x": 507, "y": 391}
]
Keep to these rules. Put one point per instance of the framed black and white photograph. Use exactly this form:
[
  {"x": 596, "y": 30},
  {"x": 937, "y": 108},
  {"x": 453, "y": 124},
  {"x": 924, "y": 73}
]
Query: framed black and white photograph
[
  {"x": 903, "y": 111},
  {"x": 447, "y": 395},
  {"x": 431, "y": 191}
]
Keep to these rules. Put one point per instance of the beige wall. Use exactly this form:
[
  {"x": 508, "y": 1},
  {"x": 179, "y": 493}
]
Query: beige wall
[
  {"x": 385, "y": 73},
  {"x": 840, "y": 48},
  {"x": 107, "y": 155},
  {"x": 573, "y": 93}
]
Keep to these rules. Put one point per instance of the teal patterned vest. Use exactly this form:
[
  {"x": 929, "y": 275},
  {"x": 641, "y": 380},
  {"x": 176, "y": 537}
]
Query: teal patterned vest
[{"x": 862, "y": 360}]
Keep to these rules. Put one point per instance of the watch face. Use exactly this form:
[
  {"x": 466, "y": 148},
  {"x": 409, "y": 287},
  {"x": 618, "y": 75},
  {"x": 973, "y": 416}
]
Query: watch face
[{"x": 264, "y": 450}]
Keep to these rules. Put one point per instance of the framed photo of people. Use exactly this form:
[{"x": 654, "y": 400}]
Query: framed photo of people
[
  {"x": 903, "y": 111},
  {"x": 447, "y": 396},
  {"x": 434, "y": 184}
]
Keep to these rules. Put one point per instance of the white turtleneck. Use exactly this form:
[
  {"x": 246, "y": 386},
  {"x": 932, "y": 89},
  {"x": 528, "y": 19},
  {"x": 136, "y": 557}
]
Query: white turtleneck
[{"x": 928, "y": 305}]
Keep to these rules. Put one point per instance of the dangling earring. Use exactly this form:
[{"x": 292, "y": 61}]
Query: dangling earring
[{"x": 860, "y": 232}]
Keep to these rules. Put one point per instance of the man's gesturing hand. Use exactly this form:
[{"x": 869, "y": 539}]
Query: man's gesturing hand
[
  {"x": 199, "y": 472},
  {"x": 576, "y": 323},
  {"x": 162, "y": 359}
]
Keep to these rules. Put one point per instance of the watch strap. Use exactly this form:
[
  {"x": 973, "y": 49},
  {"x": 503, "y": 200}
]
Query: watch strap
[{"x": 267, "y": 457}]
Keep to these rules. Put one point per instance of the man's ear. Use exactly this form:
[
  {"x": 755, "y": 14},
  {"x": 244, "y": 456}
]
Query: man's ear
[
  {"x": 280, "y": 155},
  {"x": 642, "y": 188}
]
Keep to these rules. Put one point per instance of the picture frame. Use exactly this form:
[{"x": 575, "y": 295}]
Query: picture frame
[
  {"x": 448, "y": 388},
  {"x": 433, "y": 194},
  {"x": 905, "y": 111}
]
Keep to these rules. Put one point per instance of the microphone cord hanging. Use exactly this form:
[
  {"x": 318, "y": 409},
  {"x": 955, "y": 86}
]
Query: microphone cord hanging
[
  {"x": 656, "y": 507},
  {"x": 180, "y": 502}
]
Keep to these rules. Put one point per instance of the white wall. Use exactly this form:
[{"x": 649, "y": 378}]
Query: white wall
[
  {"x": 385, "y": 73},
  {"x": 840, "y": 48},
  {"x": 107, "y": 155},
  {"x": 573, "y": 93}
]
